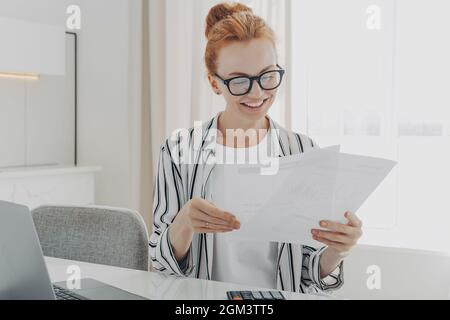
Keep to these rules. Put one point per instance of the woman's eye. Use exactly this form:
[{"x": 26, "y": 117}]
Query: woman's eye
[
  {"x": 269, "y": 77},
  {"x": 239, "y": 82}
]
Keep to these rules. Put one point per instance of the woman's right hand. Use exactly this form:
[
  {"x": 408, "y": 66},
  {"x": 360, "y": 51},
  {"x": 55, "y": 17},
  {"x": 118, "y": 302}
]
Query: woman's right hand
[
  {"x": 198, "y": 216},
  {"x": 202, "y": 216}
]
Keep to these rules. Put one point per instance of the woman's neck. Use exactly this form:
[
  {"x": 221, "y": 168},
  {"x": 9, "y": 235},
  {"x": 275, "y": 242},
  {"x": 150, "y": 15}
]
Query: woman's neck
[{"x": 241, "y": 133}]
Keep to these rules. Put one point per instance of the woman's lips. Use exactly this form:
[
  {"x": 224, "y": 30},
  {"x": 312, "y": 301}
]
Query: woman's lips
[{"x": 255, "y": 105}]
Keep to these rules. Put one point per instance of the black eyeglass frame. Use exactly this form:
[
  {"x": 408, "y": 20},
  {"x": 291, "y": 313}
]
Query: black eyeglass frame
[{"x": 226, "y": 82}]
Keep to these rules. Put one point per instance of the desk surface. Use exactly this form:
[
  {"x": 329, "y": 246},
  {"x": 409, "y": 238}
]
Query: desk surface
[{"x": 154, "y": 285}]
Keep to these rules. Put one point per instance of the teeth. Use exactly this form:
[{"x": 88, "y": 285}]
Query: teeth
[{"x": 254, "y": 105}]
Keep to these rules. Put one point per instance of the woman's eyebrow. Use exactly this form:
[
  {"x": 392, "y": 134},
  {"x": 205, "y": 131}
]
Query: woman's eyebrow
[{"x": 244, "y": 74}]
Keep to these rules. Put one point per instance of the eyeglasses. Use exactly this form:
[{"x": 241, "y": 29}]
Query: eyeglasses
[{"x": 240, "y": 86}]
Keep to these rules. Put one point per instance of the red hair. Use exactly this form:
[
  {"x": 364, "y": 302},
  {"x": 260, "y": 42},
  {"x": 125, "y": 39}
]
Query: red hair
[{"x": 227, "y": 22}]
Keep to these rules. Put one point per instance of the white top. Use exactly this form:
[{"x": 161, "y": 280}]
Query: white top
[{"x": 238, "y": 261}]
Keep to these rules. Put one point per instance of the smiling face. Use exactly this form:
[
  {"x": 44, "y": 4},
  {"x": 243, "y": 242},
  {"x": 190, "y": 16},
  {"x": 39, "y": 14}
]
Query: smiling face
[{"x": 251, "y": 59}]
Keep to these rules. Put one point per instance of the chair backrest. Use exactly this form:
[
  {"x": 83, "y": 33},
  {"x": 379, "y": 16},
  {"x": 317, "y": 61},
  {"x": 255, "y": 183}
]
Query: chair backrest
[{"x": 109, "y": 236}]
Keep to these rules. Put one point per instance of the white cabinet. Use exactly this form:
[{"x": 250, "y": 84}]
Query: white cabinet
[
  {"x": 49, "y": 185},
  {"x": 30, "y": 47}
]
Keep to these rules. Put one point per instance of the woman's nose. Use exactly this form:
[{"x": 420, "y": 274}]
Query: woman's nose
[{"x": 256, "y": 91}]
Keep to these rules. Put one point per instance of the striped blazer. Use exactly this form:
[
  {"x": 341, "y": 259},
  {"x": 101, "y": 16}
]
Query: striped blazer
[{"x": 176, "y": 182}]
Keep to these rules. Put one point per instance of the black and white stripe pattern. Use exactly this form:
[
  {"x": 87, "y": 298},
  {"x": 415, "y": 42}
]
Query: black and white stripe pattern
[{"x": 298, "y": 267}]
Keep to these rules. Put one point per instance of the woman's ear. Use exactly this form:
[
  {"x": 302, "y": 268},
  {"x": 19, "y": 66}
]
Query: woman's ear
[{"x": 214, "y": 84}]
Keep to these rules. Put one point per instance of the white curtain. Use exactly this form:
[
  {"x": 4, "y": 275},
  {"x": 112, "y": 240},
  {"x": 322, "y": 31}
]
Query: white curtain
[{"x": 179, "y": 89}]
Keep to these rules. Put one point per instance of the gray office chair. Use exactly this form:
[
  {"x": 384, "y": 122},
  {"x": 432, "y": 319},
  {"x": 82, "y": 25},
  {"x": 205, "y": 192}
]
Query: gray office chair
[{"x": 109, "y": 236}]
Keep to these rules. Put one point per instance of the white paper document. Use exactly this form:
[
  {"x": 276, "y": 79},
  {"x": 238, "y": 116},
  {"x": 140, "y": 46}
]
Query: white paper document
[{"x": 321, "y": 184}]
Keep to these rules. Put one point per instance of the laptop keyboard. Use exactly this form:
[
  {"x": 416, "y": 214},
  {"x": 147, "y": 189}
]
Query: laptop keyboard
[{"x": 64, "y": 294}]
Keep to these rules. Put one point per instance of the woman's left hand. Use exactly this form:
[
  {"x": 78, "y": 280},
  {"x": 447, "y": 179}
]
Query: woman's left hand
[{"x": 340, "y": 237}]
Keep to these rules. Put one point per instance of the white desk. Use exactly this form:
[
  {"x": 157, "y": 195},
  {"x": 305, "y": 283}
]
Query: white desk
[{"x": 154, "y": 285}]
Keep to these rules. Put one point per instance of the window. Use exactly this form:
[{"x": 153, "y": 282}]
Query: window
[{"x": 374, "y": 76}]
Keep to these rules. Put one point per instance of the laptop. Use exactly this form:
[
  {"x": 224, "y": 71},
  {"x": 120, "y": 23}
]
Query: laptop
[{"x": 23, "y": 272}]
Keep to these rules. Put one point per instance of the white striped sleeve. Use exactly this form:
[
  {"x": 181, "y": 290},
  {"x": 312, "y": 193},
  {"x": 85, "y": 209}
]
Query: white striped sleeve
[
  {"x": 167, "y": 202},
  {"x": 311, "y": 271}
]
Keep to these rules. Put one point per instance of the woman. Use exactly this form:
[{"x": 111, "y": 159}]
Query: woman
[{"x": 189, "y": 236}]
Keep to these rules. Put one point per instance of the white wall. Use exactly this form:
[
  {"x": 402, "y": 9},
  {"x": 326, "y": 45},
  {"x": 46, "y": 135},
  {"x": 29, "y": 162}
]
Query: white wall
[
  {"x": 103, "y": 96},
  {"x": 107, "y": 107},
  {"x": 106, "y": 119}
]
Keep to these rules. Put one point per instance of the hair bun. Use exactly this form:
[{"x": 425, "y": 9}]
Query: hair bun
[{"x": 221, "y": 11}]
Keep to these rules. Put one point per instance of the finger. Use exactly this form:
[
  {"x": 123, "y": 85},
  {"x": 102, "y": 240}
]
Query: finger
[
  {"x": 204, "y": 230},
  {"x": 333, "y": 236},
  {"x": 212, "y": 210},
  {"x": 211, "y": 230},
  {"x": 353, "y": 219},
  {"x": 330, "y": 243},
  {"x": 204, "y": 227},
  {"x": 337, "y": 227},
  {"x": 200, "y": 224},
  {"x": 200, "y": 215},
  {"x": 205, "y": 224}
]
